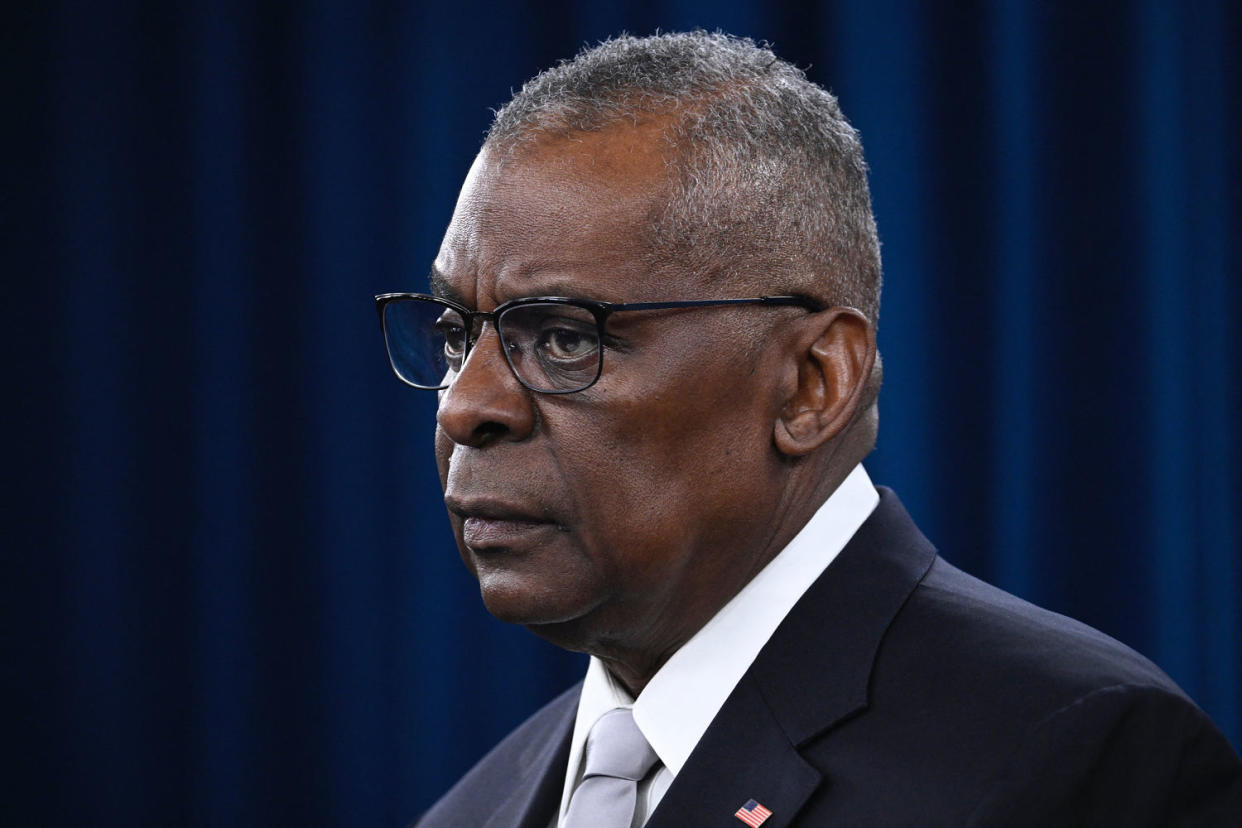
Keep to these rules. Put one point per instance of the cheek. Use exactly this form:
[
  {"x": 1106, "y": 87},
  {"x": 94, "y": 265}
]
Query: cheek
[
  {"x": 444, "y": 451},
  {"x": 659, "y": 476},
  {"x": 613, "y": 489},
  {"x": 692, "y": 436}
]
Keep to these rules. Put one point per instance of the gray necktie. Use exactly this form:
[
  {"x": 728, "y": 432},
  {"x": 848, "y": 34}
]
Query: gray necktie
[{"x": 617, "y": 757}]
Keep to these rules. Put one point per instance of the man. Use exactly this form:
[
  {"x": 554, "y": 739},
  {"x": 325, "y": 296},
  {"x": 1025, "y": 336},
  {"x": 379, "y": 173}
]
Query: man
[{"x": 653, "y": 338}]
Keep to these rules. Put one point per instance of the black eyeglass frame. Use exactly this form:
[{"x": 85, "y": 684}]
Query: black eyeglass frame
[{"x": 599, "y": 310}]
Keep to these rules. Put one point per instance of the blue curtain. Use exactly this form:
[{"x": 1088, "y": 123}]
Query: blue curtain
[{"x": 234, "y": 597}]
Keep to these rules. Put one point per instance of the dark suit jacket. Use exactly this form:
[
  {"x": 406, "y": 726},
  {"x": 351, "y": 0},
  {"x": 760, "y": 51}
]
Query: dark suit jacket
[{"x": 901, "y": 691}]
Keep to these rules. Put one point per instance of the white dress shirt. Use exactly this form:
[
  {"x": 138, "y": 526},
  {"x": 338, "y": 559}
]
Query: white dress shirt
[{"x": 683, "y": 697}]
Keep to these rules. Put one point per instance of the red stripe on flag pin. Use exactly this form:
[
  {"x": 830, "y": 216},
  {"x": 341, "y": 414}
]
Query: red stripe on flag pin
[{"x": 753, "y": 814}]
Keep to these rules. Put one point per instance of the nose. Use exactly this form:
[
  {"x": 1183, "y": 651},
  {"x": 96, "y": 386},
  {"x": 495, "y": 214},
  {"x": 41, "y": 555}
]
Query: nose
[{"x": 486, "y": 402}]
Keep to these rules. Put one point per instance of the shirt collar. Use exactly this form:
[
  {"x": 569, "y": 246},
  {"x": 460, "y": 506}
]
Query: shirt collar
[{"x": 684, "y": 696}]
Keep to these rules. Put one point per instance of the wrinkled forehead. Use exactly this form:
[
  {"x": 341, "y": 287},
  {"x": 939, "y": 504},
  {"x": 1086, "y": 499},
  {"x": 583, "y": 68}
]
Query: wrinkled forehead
[{"x": 556, "y": 205}]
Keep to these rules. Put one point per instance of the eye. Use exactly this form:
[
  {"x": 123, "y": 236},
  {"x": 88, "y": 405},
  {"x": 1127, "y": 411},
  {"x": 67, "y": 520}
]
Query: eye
[
  {"x": 550, "y": 343},
  {"x": 567, "y": 344},
  {"x": 453, "y": 333}
]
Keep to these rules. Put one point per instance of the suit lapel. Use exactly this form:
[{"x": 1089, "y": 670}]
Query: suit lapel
[
  {"x": 743, "y": 755},
  {"x": 539, "y": 776},
  {"x": 816, "y": 669},
  {"x": 811, "y": 675}
]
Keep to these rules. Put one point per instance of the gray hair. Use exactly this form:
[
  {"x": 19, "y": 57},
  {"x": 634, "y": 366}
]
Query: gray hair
[{"x": 768, "y": 173}]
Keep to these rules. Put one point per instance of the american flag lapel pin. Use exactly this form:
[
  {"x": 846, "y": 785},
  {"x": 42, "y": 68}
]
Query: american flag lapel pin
[{"x": 752, "y": 813}]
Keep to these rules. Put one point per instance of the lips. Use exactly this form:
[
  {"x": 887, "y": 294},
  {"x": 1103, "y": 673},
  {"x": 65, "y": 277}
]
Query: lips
[
  {"x": 485, "y": 533},
  {"x": 490, "y": 524}
]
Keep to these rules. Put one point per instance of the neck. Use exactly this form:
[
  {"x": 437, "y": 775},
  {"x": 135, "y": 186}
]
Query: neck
[{"x": 634, "y": 667}]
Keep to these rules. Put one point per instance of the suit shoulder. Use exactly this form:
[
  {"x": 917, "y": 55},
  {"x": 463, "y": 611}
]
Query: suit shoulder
[
  {"x": 515, "y": 771},
  {"x": 1011, "y": 644},
  {"x": 1009, "y": 698},
  {"x": 976, "y": 670},
  {"x": 1121, "y": 755}
]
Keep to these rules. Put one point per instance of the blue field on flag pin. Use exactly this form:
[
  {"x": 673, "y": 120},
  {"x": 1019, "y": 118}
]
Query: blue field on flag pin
[{"x": 752, "y": 813}]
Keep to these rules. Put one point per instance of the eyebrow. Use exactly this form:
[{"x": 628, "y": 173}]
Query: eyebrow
[{"x": 440, "y": 286}]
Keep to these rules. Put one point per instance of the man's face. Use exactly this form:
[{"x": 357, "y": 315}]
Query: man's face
[{"x": 617, "y": 519}]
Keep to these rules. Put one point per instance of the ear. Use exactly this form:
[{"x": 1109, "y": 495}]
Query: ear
[{"x": 834, "y": 363}]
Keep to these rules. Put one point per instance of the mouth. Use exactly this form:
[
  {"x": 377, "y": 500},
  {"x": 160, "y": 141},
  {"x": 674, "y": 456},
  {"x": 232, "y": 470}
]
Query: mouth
[{"x": 489, "y": 525}]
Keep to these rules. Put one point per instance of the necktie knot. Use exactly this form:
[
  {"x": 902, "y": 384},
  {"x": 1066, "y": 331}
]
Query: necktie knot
[
  {"x": 616, "y": 747},
  {"x": 617, "y": 757}
]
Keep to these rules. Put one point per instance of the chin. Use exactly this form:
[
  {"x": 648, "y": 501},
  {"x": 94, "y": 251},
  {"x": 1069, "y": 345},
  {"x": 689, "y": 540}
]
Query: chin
[
  {"x": 576, "y": 635},
  {"x": 566, "y": 624},
  {"x": 514, "y": 602}
]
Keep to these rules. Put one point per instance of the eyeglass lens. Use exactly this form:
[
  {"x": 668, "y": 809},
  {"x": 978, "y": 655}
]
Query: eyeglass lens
[
  {"x": 421, "y": 336},
  {"x": 551, "y": 347}
]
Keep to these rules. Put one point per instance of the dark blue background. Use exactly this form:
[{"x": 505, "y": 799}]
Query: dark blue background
[{"x": 234, "y": 600}]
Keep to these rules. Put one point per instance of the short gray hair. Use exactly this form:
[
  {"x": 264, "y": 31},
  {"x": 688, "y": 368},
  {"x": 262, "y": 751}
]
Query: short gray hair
[{"x": 769, "y": 174}]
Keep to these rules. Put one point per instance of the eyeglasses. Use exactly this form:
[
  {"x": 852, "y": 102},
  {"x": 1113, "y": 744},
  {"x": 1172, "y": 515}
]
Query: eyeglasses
[{"x": 553, "y": 344}]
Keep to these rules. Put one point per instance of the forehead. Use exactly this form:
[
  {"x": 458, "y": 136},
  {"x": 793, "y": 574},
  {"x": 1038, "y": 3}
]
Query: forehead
[{"x": 562, "y": 214}]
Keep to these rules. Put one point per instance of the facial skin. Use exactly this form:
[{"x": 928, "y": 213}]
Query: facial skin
[{"x": 618, "y": 520}]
